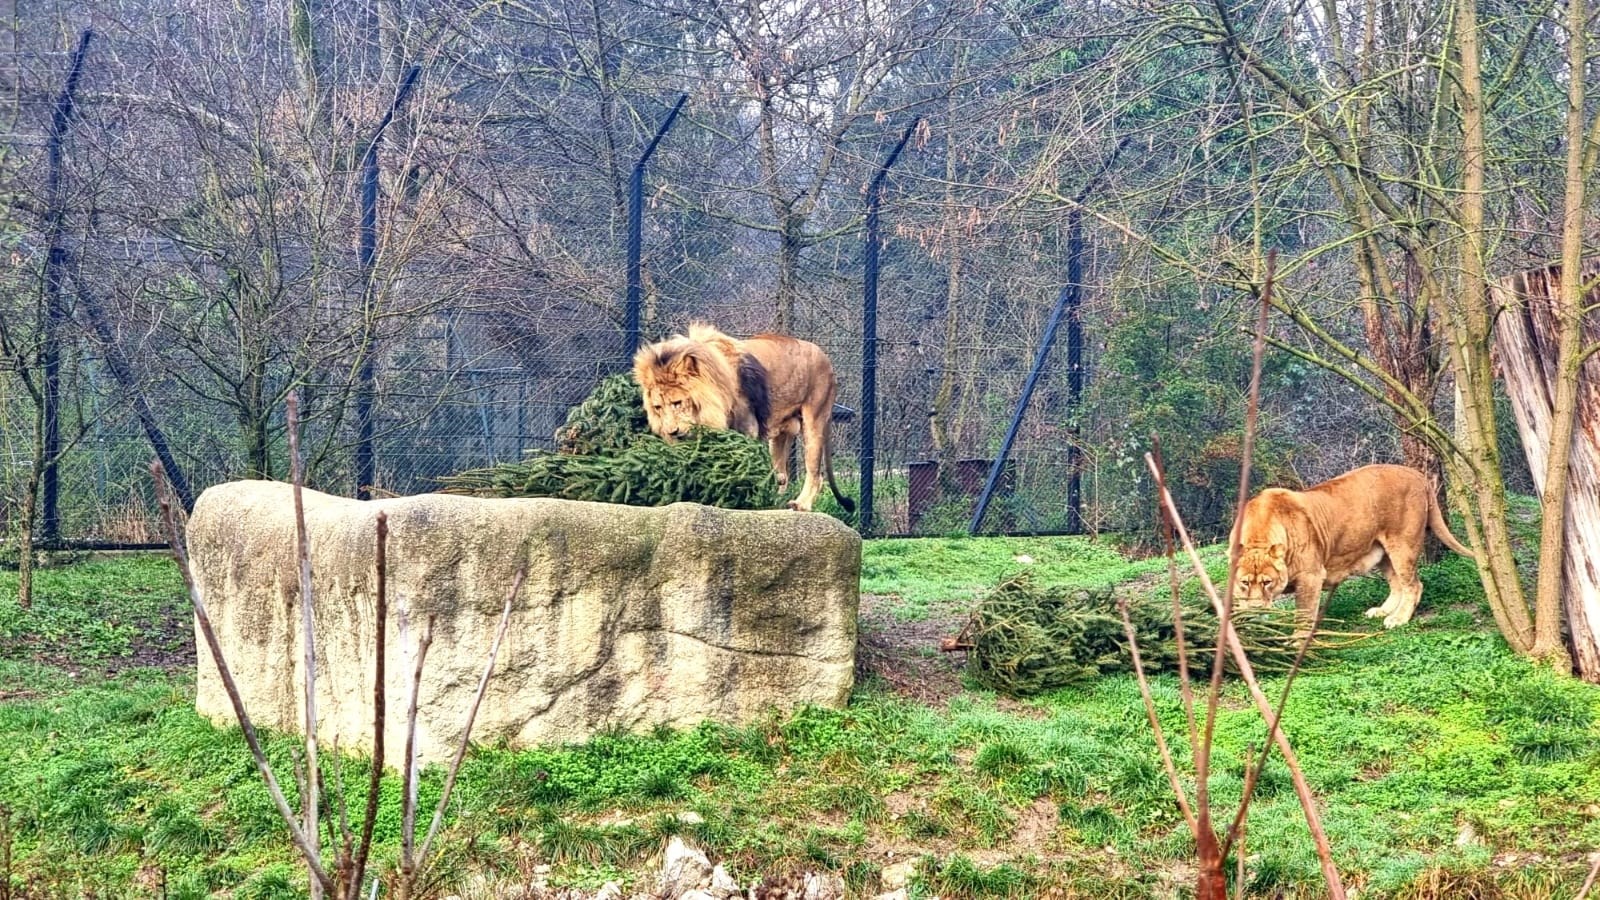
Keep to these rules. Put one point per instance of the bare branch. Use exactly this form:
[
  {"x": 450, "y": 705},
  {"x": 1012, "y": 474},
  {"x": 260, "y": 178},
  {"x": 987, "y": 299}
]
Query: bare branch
[
  {"x": 308, "y": 632},
  {"x": 1308, "y": 803},
  {"x": 209, "y": 632},
  {"x": 472, "y": 714}
]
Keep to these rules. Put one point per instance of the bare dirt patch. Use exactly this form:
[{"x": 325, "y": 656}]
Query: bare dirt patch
[{"x": 906, "y": 655}]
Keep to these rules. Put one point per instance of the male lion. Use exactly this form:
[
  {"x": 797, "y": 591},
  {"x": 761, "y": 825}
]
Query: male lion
[
  {"x": 770, "y": 386},
  {"x": 1309, "y": 540}
]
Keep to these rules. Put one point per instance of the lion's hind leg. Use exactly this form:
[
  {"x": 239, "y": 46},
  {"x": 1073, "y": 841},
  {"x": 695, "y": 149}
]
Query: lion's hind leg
[
  {"x": 1405, "y": 588},
  {"x": 815, "y": 438},
  {"x": 781, "y": 442},
  {"x": 1396, "y": 595}
]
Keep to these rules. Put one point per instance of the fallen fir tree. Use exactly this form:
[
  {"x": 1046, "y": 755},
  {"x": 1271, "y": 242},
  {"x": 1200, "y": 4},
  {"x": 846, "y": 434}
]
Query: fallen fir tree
[
  {"x": 1024, "y": 638},
  {"x": 607, "y": 454}
]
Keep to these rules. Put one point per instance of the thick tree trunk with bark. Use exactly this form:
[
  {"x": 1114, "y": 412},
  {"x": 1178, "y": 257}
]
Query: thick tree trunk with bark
[{"x": 1526, "y": 336}]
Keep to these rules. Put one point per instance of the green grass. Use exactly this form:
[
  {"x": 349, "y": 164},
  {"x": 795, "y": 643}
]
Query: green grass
[
  {"x": 95, "y": 612},
  {"x": 1412, "y": 740},
  {"x": 930, "y": 576}
]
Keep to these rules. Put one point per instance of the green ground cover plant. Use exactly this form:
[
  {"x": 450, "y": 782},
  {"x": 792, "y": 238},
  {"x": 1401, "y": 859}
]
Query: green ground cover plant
[{"x": 1447, "y": 766}]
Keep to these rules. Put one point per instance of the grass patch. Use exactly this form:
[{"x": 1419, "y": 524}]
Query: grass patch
[
  {"x": 929, "y": 576},
  {"x": 1434, "y": 750},
  {"x": 127, "y": 609}
]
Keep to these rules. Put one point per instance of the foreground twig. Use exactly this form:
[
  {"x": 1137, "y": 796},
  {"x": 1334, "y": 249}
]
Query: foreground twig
[
  {"x": 1185, "y": 687},
  {"x": 1263, "y": 705},
  {"x": 302, "y": 552},
  {"x": 409, "y": 773},
  {"x": 353, "y": 855},
  {"x": 1594, "y": 872},
  {"x": 1155, "y": 720},
  {"x": 379, "y": 640},
  {"x": 1253, "y": 773},
  {"x": 472, "y": 714},
  {"x": 207, "y": 631},
  {"x": 1212, "y": 853}
]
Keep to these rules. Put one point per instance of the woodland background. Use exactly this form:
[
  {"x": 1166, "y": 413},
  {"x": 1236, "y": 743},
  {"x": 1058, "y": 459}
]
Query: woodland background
[{"x": 195, "y": 256}]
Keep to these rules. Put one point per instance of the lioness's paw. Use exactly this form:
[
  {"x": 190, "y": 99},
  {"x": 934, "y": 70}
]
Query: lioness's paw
[
  {"x": 1376, "y": 611},
  {"x": 795, "y": 505},
  {"x": 1395, "y": 620}
]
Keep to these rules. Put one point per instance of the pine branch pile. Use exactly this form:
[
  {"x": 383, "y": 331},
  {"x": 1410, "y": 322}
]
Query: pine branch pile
[
  {"x": 608, "y": 455},
  {"x": 1025, "y": 638},
  {"x": 607, "y": 420}
]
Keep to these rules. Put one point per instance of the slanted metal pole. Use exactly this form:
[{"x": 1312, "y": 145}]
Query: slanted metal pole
[
  {"x": 869, "y": 333},
  {"x": 366, "y": 455},
  {"x": 634, "y": 305},
  {"x": 1068, "y": 296}
]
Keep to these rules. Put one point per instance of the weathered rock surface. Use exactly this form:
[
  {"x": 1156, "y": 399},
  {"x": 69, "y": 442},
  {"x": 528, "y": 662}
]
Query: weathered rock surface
[{"x": 630, "y": 617}]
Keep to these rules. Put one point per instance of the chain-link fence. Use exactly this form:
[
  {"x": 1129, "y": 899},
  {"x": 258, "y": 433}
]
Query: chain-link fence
[
  {"x": 222, "y": 210},
  {"x": 480, "y": 405}
]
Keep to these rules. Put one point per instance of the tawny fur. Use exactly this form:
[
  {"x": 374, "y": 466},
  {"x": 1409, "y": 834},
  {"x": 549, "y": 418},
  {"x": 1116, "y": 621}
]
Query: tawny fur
[
  {"x": 769, "y": 386},
  {"x": 1308, "y": 541}
]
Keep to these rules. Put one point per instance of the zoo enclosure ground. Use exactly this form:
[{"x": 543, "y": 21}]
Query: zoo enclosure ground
[{"x": 1447, "y": 766}]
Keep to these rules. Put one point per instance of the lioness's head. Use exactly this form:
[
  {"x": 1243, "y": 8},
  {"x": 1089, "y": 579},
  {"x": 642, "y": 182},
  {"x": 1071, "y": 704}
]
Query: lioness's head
[
  {"x": 1262, "y": 575},
  {"x": 684, "y": 384}
]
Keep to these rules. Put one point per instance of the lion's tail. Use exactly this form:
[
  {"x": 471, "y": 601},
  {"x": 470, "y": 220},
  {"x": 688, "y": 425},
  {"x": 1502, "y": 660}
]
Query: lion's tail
[
  {"x": 846, "y": 503},
  {"x": 1441, "y": 531}
]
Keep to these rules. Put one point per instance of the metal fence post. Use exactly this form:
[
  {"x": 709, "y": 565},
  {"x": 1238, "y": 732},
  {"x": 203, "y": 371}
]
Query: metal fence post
[
  {"x": 869, "y": 333},
  {"x": 366, "y": 456},
  {"x": 56, "y": 309},
  {"x": 631, "y": 323},
  {"x": 1075, "y": 372}
]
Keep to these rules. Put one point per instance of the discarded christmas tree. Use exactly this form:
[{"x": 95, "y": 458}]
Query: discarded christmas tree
[
  {"x": 1025, "y": 638},
  {"x": 607, "y": 454}
]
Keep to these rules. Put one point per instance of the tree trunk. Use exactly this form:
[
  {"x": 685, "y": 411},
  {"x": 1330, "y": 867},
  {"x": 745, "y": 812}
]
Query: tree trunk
[
  {"x": 788, "y": 267},
  {"x": 939, "y": 413},
  {"x": 1527, "y": 334},
  {"x": 30, "y": 512},
  {"x": 254, "y": 423},
  {"x": 1471, "y": 333}
]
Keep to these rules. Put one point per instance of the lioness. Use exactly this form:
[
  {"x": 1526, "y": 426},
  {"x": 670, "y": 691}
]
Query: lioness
[
  {"x": 1309, "y": 540},
  {"x": 770, "y": 386}
]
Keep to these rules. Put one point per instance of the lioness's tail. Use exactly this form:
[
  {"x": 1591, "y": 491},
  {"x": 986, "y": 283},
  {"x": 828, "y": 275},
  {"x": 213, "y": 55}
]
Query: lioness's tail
[{"x": 1442, "y": 531}]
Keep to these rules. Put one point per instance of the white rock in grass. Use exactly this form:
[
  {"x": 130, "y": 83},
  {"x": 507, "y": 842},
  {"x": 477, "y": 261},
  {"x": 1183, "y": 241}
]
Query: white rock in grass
[
  {"x": 683, "y": 868},
  {"x": 722, "y": 884},
  {"x": 824, "y": 886},
  {"x": 611, "y": 890},
  {"x": 898, "y": 875}
]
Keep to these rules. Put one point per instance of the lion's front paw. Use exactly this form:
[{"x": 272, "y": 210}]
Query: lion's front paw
[
  {"x": 1395, "y": 620},
  {"x": 795, "y": 505},
  {"x": 1376, "y": 611}
]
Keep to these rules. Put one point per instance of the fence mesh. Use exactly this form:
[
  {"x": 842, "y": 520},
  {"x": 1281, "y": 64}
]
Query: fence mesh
[{"x": 190, "y": 232}]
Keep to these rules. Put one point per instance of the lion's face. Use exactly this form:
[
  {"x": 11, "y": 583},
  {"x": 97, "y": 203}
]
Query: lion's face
[
  {"x": 671, "y": 409},
  {"x": 678, "y": 390},
  {"x": 1262, "y": 575}
]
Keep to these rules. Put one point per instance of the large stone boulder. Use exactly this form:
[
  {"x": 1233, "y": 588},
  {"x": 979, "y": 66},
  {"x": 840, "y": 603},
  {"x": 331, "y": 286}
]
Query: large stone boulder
[{"x": 630, "y": 617}]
